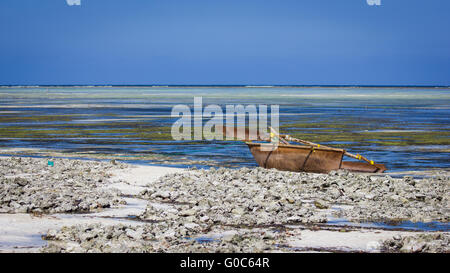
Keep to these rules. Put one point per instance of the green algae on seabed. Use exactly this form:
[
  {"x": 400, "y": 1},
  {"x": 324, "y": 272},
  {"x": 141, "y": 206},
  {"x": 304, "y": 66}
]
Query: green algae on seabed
[
  {"x": 342, "y": 131},
  {"x": 150, "y": 133},
  {"x": 346, "y": 132},
  {"x": 378, "y": 138},
  {"x": 37, "y": 118},
  {"x": 164, "y": 133},
  {"x": 34, "y": 116}
]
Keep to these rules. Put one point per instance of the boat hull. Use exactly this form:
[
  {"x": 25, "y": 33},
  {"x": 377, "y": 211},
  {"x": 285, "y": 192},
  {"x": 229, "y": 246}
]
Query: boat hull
[
  {"x": 363, "y": 167},
  {"x": 298, "y": 158}
]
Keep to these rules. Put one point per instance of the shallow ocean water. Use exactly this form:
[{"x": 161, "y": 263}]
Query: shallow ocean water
[{"x": 404, "y": 128}]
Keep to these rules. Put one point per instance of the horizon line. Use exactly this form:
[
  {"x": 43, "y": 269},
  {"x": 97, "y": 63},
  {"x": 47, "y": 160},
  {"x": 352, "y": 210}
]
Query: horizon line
[{"x": 220, "y": 85}]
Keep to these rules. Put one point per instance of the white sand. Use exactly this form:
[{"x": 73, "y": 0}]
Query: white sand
[
  {"x": 131, "y": 181},
  {"x": 361, "y": 240}
]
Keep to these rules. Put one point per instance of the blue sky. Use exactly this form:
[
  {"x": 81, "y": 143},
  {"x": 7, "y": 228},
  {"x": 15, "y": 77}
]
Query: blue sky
[{"x": 305, "y": 42}]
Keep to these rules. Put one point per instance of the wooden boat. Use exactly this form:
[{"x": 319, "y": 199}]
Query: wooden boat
[
  {"x": 308, "y": 157},
  {"x": 302, "y": 158}
]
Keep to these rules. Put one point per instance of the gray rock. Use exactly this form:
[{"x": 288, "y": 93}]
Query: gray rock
[{"x": 68, "y": 186}]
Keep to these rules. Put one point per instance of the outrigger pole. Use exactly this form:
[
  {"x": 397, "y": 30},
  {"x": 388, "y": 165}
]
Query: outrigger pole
[{"x": 283, "y": 138}]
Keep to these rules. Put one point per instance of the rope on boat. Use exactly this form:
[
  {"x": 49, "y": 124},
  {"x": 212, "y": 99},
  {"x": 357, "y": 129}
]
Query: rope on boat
[
  {"x": 273, "y": 132},
  {"x": 289, "y": 138}
]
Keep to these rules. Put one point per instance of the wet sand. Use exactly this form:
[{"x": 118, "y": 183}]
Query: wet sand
[{"x": 161, "y": 209}]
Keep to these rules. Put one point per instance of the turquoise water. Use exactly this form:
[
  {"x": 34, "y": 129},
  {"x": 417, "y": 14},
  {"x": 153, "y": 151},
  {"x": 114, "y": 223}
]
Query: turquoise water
[{"x": 405, "y": 128}]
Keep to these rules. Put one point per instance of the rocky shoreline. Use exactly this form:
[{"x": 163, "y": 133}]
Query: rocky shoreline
[
  {"x": 159, "y": 238},
  {"x": 220, "y": 210},
  {"x": 260, "y": 197},
  {"x": 30, "y": 185},
  {"x": 434, "y": 243}
]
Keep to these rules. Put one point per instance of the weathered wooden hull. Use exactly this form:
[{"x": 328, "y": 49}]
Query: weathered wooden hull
[
  {"x": 298, "y": 158},
  {"x": 363, "y": 167}
]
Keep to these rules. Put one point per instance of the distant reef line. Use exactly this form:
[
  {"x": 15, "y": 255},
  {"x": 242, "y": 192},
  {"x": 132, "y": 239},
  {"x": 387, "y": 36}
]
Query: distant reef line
[{"x": 223, "y": 86}]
